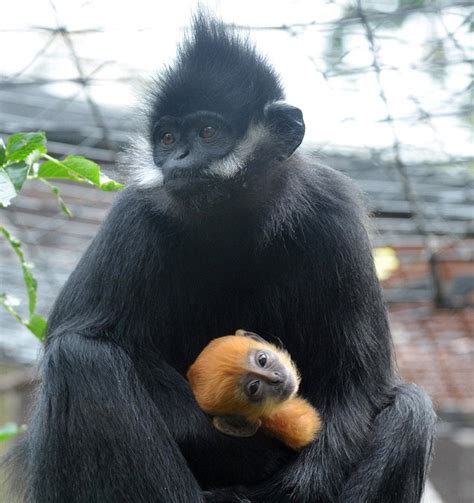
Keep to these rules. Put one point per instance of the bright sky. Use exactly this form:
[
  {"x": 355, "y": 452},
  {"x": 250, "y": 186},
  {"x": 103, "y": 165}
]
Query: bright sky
[{"x": 139, "y": 37}]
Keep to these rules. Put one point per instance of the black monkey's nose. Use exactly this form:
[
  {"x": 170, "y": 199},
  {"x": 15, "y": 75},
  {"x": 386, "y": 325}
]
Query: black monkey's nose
[
  {"x": 276, "y": 378},
  {"x": 181, "y": 154}
]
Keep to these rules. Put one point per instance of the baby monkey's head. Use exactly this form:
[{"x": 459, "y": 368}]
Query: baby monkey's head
[{"x": 242, "y": 374}]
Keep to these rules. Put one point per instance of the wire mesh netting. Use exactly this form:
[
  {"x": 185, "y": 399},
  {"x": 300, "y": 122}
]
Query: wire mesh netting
[{"x": 386, "y": 88}]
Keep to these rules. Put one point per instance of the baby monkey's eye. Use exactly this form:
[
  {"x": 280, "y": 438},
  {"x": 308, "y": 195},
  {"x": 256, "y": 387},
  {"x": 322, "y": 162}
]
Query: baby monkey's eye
[
  {"x": 253, "y": 387},
  {"x": 207, "y": 132},
  {"x": 262, "y": 359}
]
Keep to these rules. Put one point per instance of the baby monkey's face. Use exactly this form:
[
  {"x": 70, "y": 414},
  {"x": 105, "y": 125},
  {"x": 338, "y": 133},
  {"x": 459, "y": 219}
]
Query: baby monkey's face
[{"x": 268, "y": 377}]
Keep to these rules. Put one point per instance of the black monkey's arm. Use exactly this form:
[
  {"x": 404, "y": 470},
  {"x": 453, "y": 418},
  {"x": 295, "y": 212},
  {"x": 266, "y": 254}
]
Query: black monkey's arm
[
  {"x": 96, "y": 434},
  {"x": 376, "y": 435},
  {"x": 109, "y": 295},
  {"x": 212, "y": 456},
  {"x": 394, "y": 466}
]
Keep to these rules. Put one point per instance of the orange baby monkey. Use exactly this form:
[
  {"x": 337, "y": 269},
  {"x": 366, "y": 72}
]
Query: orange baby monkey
[{"x": 247, "y": 383}]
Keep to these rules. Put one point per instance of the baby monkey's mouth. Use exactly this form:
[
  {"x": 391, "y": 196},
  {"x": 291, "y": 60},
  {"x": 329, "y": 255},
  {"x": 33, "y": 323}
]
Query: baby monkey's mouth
[{"x": 287, "y": 388}]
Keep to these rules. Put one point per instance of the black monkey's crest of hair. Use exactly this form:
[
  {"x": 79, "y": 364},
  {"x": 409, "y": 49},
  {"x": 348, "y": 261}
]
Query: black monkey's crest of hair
[{"x": 216, "y": 70}]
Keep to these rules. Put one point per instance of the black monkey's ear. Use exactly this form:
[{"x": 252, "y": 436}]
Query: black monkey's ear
[
  {"x": 287, "y": 124},
  {"x": 252, "y": 335}
]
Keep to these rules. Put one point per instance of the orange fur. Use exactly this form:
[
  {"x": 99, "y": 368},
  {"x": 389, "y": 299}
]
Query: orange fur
[
  {"x": 295, "y": 422},
  {"x": 215, "y": 374},
  {"x": 214, "y": 378}
]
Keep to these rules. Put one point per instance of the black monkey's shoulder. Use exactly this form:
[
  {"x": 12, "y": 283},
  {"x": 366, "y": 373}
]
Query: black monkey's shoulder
[
  {"x": 135, "y": 207},
  {"x": 324, "y": 188}
]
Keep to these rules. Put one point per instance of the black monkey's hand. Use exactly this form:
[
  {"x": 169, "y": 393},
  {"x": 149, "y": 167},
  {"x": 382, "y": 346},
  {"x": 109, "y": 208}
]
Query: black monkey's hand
[{"x": 225, "y": 495}]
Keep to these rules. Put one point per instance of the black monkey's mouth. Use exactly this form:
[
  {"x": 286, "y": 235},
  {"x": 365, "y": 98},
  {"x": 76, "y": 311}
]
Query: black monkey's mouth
[
  {"x": 185, "y": 180},
  {"x": 191, "y": 181},
  {"x": 185, "y": 176}
]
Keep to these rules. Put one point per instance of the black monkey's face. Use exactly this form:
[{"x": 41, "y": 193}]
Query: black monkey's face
[
  {"x": 197, "y": 152},
  {"x": 188, "y": 149},
  {"x": 215, "y": 117}
]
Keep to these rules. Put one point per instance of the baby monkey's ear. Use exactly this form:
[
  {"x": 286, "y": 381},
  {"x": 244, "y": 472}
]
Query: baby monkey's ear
[
  {"x": 241, "y": 332},
  {"x": 236, "y": 426}
]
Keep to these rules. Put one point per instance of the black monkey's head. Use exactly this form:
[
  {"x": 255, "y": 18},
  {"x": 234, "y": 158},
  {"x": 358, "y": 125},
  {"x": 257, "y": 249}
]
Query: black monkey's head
[
  {"x": 214, "y": 112},
  {"x": 216, "y": 71}
]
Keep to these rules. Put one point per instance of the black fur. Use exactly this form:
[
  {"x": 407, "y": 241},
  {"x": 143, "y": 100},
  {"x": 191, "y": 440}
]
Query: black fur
[
  {"x": 281, "y": 249},
  {"x": 209, "y": 64}
]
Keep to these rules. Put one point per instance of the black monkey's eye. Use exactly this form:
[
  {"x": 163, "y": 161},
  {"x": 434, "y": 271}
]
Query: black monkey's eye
[
  {"x": 262, "y": 359},
  {"x": 253, "y": 387},
  {"x": 167, "y": 138},
  {"x": 207, "y": 132}
]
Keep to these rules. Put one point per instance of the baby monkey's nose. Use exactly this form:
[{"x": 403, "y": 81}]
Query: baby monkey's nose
[{"x": 276, "y": 378}]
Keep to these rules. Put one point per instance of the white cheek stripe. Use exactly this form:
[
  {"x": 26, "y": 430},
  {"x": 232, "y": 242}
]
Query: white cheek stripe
[
  {"x": 232, "y": 163},
  {"x": 143, "y": 170}
]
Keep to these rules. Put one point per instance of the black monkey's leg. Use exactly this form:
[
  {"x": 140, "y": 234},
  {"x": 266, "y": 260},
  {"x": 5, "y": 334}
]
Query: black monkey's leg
[
  {"x": 391, "y": 468},
  {"x": 96, "y": 435},
  {"x": 395, "y": 466}
]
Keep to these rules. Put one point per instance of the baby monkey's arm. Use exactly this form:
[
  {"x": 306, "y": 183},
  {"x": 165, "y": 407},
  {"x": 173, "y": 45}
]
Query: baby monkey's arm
[{"x": 295, "y": 422}]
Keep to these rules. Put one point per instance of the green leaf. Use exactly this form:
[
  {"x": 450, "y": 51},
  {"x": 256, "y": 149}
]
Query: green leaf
[
  {"x": 31, "y": 286},
  {"x": 17, "y": 173},
  {"x": 28, "y": 277},
  {"x": 107, "y": 184},
  {"x": 3, "y": 153},
  {"x": 83, "y": 167},
  {"x": 37, "y": 324},
  {"x": 79, "y": 169},
  {"x": 55, "y": 190},
  {"x": 7, "y": 302},
  {"x": 21, "y": 145},
  {"x": 9, "y": 431},
  {"x": 54, "y": 169},
  {"x": 7, "y": 189}
]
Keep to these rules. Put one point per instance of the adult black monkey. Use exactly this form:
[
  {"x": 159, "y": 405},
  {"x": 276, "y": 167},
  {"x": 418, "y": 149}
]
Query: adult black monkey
[{"x": 222, "y": 229}]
